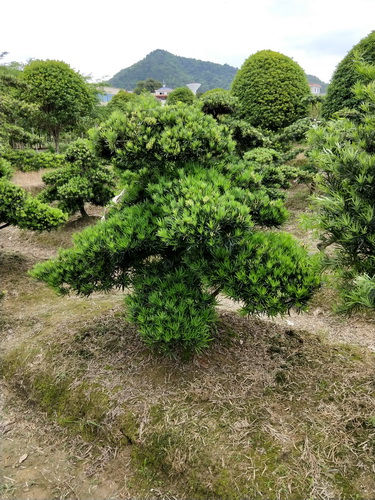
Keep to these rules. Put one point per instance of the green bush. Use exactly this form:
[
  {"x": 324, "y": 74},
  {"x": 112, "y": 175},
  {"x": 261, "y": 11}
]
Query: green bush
[
  {"x": 340, "y": 91},
  {"x": 82, "y": 180},
  {"x": 28, "y": 160},
  {"x": 20, "y": 209},
  {"x": 181, "y": 94},
  {"x": 271, "y": 88},
  {"x": 245, "y": 135}
]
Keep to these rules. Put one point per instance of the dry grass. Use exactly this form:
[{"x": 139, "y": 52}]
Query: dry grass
[{"x": 268, "y": 412}]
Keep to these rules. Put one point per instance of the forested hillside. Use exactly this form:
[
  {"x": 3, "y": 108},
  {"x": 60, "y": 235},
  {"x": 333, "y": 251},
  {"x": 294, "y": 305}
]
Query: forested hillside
[{"x": 177, "y": 71}]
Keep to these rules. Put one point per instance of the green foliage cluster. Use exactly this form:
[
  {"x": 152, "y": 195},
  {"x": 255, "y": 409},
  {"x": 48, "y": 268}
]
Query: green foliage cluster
[
  {"x": 28, "y": 160},
  {"x": 120, "y": 101},
  {"x": 148, "y": 85},
  {"x": 344, "y": 151},
  {"x": 82, "y": 179},
  {"x": 5, "y": 169},
  {"x": 275, "y": 173},
  {"x": 63, "y": 96},
  {"x": 176, "y": 71},
  {"x": 218, "y": 102},
  {"x": 340, "y": 92},
  {"x": 191, "y": 224},
  {"x": 15, "y": 112},
  {"x": 270, "y": 88},
  {"x": 150, "y": 141},
  {"x": 20, "y": 209},
  {"x": 181, "y": 94}
]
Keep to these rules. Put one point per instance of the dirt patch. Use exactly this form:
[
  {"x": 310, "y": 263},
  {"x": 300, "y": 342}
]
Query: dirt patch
[{"x": 271, "y": 411}]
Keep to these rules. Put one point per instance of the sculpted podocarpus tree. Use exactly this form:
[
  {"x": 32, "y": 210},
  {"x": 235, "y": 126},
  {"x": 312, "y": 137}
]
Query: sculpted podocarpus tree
[{"x": 190, "y": 226}]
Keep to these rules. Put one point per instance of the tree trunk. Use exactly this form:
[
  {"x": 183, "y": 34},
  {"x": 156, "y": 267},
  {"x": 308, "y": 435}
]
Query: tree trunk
[{"x": 56, "y": 138}]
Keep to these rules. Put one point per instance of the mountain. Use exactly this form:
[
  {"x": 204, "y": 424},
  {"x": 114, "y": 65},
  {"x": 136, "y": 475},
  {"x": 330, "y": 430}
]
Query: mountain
[{"x": 177, "y": 71}]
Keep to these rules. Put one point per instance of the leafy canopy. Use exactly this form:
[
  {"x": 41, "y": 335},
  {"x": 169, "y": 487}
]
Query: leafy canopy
[{"x": 63, "y": 96}]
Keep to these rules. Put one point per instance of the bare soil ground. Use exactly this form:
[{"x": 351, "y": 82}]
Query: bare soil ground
[{"x": 232, "y": 411}]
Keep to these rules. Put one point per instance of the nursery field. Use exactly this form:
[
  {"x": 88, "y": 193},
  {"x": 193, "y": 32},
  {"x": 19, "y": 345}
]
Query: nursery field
[{"x": 276, "y": 409}]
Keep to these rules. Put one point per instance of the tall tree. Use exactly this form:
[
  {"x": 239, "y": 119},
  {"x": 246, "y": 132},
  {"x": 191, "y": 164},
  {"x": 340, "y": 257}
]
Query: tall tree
[{"x": 63, "y": 96}]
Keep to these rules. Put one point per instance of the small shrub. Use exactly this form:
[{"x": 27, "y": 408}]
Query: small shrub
[{"x": 82, "y": 180}]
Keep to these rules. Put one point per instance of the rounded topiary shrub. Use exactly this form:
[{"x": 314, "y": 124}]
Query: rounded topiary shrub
[
  {"x": 181, "y": 94},
  {"x": 340, "y": 91},
  {"x": 270, "y": 88}
]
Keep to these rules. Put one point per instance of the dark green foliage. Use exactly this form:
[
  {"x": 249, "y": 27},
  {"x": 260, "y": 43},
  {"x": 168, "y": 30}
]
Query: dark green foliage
[
  {"x": 81, "y": 180},
  {"x": 246, "y": 136},
  {"x": 28, "y": 160},
  {"x": 175, "y": 71},
  {"x": 187, "y": 228},
  {"x": 340, "y": 92},
  {"x": 20, "y": 209},
  {"x": 345, "y": 153},
  {"x": 270, "y": 88},
  {"x": 275, "y": 174},
  {"x": 63, "y": 96},
  {"x": 181, "y": 94},
  {"x": 294, "y": 133},
  {"x": 218, "y": 102},
  {"x": 148, "y": 85}
]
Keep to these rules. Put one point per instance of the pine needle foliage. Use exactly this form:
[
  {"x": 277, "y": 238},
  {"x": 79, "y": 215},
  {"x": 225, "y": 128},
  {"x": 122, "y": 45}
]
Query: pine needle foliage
[
  {"x": 340, "y": 93},
  {"x": 191, "y": 224},
  {"x": 345, "y": 153}
]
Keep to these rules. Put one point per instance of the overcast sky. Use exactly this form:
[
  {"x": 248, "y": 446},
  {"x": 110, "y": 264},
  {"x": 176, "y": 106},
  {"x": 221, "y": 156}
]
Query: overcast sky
[{"x": 101, "y": 38}]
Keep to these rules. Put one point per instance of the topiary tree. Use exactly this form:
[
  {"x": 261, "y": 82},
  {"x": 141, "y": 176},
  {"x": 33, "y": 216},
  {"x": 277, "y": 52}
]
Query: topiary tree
[
  {"x": 83, "y": 179},
  {"x": 188, "y": 228},
  {"x": 344, "y": 150},
  {"x": 270, "y": 88},
  {"x": 218, "y": 102},
  {"x": 181, "y": 94},
  {"x": 63, "y": 96},
  {"x": 340, "y": 93}
]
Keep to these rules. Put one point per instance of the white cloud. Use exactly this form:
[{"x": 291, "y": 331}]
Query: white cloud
[{"x": 102, "y": 38}]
